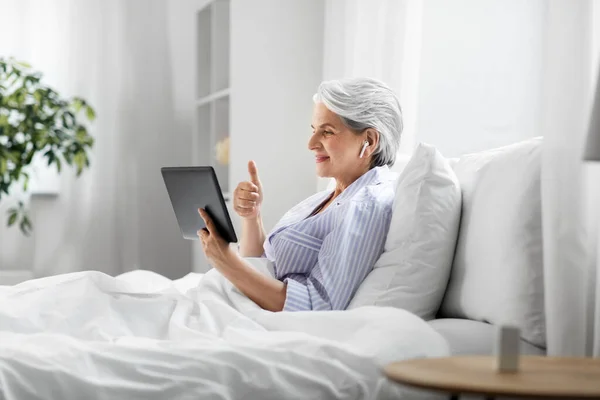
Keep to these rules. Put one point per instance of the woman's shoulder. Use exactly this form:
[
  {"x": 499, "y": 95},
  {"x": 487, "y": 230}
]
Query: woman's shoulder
[{"x": 379, "y": 196}]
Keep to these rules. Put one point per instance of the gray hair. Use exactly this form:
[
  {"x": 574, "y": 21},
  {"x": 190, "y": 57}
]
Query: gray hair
[{"x": 364, "y": 103}]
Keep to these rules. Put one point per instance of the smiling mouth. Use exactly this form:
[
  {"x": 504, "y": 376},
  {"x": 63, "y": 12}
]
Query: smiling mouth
[{"x": 320, "y": 159}]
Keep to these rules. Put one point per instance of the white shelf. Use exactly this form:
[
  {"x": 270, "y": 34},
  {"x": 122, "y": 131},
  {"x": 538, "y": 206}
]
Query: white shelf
[
  {"x": 220, "y": 45},
  {"x": 212, "y": 97},
  {"x": 212, "y": 82},
  {"x": 204, "y": 22},
  {"x": 219, "y": 133},
  {"x": 201, "y": 139}
]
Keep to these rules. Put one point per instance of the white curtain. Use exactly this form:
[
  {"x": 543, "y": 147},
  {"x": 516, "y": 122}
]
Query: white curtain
[
  {"x": 380, "y": 39},
  {"x": 116, "y": 216},
  {"x": 570, "y": 187}
]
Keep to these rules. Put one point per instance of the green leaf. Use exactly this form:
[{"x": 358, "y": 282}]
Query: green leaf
[
  {"x": 79, "y": 162},
  {"x": 25, "y": 226},
  {"x": 68, "y": 120},
  {"x": 81, "y": 133},
  {"x": 77, "y": 104},
  {"x": 25, "y": 182},
  {"x": 78, "y": 159},
  {"x": 50, "y": 156},
  {"x": 91, "y": 114},
  {"x": 23, "y": 64},
  {"x": 12, "y": 219},
  {"x": 68, "y": 158}
]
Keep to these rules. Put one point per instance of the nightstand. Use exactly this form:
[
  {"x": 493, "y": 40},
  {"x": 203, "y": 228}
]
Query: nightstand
[{"x": 537, "y": 377}]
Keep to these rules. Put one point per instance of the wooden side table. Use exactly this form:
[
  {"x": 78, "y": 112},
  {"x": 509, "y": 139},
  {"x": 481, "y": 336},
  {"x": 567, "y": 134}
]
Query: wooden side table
[{"x": 538, "y": 376}]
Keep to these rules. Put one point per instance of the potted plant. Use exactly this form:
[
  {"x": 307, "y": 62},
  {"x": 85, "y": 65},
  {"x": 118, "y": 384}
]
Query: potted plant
[{"x": 36, "y": 120}]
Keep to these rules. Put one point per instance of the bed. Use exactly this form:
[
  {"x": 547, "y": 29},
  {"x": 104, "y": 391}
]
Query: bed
[{"x": 464, "y": 252}]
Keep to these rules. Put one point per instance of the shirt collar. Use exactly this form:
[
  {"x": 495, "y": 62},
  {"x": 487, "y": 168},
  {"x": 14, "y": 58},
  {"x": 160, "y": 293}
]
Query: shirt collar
[{"x": 374, "y": 176}]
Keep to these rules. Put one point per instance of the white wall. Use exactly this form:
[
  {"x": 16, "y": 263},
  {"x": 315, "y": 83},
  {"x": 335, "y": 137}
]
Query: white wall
[
  {"x": 276, "y": 66},
  {"x": 480, "y": 79}
]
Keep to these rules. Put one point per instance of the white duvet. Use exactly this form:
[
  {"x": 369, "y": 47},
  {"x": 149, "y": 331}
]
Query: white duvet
[{"x": 141, "y": 336}]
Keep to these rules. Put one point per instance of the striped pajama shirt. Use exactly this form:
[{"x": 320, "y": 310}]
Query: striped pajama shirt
[{"x": 323, "y": 258}]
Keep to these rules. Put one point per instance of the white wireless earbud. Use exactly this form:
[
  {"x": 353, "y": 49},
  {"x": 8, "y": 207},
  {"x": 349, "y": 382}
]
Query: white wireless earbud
[{"x": 362, "y": 152}]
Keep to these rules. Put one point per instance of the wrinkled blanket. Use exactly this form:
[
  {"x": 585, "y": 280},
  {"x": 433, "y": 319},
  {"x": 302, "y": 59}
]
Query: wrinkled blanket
[{"x": 142, "y": 336}]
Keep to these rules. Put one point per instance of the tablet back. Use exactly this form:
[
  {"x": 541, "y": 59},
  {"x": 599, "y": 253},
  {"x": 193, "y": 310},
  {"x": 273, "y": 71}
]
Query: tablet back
[{"x": 191, "y": 188}]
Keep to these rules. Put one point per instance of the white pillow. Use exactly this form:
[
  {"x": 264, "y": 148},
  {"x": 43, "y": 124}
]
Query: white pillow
[
  {"x": 413, "y": 271},
  {"x": 497, "y": 272}
]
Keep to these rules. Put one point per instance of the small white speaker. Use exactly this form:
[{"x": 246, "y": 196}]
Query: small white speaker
[{"x": 507, "y": 348}]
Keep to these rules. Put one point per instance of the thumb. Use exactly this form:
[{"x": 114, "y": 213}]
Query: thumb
[{"x": 253, "y": 171}]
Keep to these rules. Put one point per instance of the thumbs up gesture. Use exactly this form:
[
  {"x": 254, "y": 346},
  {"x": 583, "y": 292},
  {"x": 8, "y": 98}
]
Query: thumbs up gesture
[{"x": 248, "y": 195}]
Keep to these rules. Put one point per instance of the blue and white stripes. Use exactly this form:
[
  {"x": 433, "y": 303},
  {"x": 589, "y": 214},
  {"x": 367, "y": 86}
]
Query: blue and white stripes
[{"x": 324, "y": 258}]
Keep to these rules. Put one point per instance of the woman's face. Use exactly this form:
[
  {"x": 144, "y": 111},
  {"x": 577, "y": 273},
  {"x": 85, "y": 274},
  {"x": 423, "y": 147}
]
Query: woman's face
[{"x": 336, "y": 147}]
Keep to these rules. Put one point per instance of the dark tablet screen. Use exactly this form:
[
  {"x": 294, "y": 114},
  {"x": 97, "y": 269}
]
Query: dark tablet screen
[{"x": 191, "y": 188}]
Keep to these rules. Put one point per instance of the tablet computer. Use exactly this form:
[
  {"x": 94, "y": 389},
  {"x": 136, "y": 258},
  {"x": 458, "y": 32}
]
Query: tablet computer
[{"x": 191, "y": 188}]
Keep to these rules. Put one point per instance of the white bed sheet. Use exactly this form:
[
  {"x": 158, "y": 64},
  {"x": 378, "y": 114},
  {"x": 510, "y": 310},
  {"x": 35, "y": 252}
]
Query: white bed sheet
[{"x": 142, "y": 336}]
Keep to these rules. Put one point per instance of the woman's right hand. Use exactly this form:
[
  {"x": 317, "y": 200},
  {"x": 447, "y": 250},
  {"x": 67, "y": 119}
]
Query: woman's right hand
[{"x": 248, "y": 196}]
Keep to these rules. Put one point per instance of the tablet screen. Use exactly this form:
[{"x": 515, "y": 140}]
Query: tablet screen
[{"x": 190, "y": 188}]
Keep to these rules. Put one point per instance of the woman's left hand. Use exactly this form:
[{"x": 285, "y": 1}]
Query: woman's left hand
[{"x": 215, "y": 248}]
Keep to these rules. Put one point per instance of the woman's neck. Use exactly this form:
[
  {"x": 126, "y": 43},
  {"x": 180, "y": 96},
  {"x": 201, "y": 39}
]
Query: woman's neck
[{"x": 342, "y": 184}]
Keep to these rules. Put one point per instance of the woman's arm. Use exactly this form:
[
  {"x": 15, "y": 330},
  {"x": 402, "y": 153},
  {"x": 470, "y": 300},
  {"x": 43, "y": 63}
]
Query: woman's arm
[
  {"x": 267, "y": 292},
  {"x": 253, "y": 237}
]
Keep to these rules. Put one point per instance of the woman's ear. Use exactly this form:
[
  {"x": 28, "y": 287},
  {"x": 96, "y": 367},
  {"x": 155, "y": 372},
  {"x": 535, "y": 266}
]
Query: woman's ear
[{"x": 373, "y": 139}]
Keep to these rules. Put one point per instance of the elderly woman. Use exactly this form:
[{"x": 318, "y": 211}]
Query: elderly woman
[{"x": 324, "y": 247}]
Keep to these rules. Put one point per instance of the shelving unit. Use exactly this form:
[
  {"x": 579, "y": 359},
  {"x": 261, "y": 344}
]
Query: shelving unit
[
  {"x": 211, "y": 100},
  {"x": 211, "y": 127}
]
